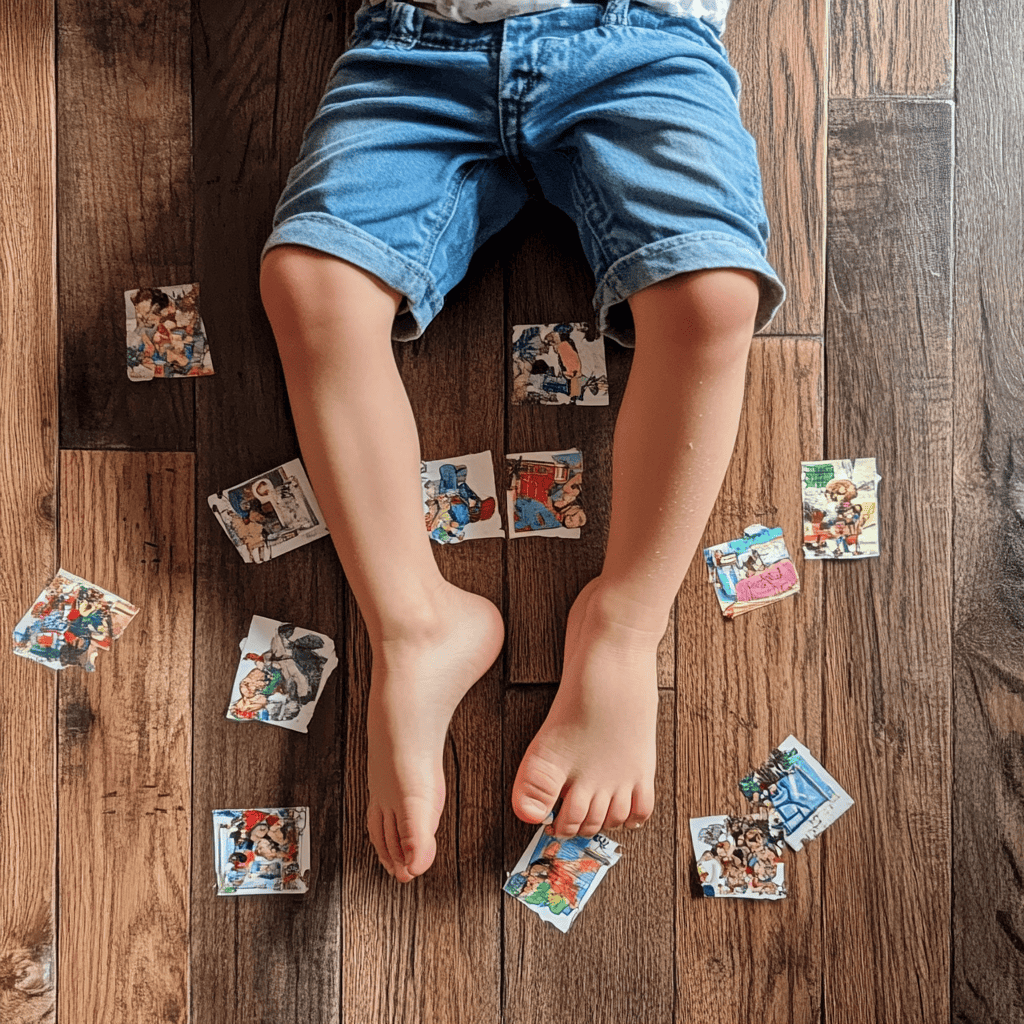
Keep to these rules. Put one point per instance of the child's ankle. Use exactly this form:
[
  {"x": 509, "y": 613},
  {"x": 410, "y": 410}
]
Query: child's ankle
[{"x": 619, "y": 605}]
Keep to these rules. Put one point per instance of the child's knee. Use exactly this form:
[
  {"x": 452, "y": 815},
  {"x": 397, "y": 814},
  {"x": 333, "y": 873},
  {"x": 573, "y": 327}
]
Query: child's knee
[{"x": 709, "y": 310}]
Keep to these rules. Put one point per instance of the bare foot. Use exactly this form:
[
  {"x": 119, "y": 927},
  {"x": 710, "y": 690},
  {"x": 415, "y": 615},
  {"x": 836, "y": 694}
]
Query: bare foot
[
  {"x": 416, "y": 684},
  {"x": 596, "y": 748}
]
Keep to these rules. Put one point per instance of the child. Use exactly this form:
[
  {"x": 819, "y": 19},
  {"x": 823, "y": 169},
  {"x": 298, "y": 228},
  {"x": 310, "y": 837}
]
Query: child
[{"x": 436, "y": 124}]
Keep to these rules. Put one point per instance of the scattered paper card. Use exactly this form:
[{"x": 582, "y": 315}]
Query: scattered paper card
[
  {"x": 544, "y": 493},
  {"x": 281, "y": 674},
  {"x": 840, "y": 508},
  {"x": 555, "y": 877},
  {"x": 558, "y": 364},
  {"x": 261, "y": 850},
  {"x": 740, "y": 856},
  {"x": 270, "y": 514},
  {"x": 752, "y": 571},
  {"x": 166, "y": 337},
  {"x": 459, "y": 499},
  {"x": 793, "y": 784},
  {"x": 71, "y": 621}
]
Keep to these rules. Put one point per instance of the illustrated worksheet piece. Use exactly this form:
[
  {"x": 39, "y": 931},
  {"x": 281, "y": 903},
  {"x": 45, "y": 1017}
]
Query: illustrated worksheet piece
[
  {"x": 261, "y": 850},
  {"x": 544, "y": 493},
  {"x": 751, "y": 571},
  {"x": 558, "y": 364},
  {"x": 166, "y": 336},
  {"x": 840, "y": 508},
  {"x": 740, "y": 855},
  {"x": 460, "y": 499}
]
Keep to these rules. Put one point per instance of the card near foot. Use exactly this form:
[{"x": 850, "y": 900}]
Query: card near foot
[
  {"x": 270, "y": 514},
  {"x": 70, "y": 622},
  {"x": 558, "y": 364},
  {"x": 261, "y": 850},
  {"x": 793, "y": 784},
  {"x": 166, "y": 336},
  {"x": 840, "y": 508},
  {"x": 544, "y": 493},
  {"x": 740, "y": 856},
  {"x": 555, "y": 877},
  {"x": 751, "y": 571},
  {"x": 460, "y": 499},
  {"x": 281, "y": 674}
]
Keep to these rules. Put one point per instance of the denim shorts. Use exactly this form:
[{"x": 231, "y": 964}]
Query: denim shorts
[{"x": 432, "y": 134}]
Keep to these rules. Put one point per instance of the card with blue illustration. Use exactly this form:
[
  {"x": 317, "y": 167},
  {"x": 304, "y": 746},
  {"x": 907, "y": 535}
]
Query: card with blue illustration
[
  {"x": 751, "y": 571},
  {"x": 558, "y": 364},
  {"x": 556, "y": 877},
  {"x": 281, "y": 674},
  {"x": 793, "y": 784},
  {"x": 840, "y": 508},
  {"x": 740, "y": 856},
  {"x": 544, "y": 494},
  {"x": 261, "y": 850},
  {"x": 460, "y": 498}
]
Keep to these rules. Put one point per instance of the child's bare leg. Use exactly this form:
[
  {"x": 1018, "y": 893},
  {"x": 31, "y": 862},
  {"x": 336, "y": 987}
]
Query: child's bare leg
[
  {"x": 431, "y": 641},
  {"x": 673, "y": 441}
]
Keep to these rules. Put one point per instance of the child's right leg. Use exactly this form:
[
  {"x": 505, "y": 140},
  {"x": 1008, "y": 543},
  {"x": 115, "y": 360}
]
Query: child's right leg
[{"x": 431, "y": 641}]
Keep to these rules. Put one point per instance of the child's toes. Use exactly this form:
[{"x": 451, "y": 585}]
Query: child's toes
[
  {"x": 416, "y": 838},
  {"x": 642, "y": 807},
  {"x": 574, "y": 811},
  {"x": 594, "y": 820},
  {"x": 618, "y": 809},
  {"x": 375, "y": 827},
  {"x": 537, "y": 787}
]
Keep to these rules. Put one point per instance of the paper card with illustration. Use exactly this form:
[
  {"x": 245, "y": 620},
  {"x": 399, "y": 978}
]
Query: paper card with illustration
[
  {"x": 793, "y": 784},
  {"x": 544, "y": 493},
  {"x": 840, "y": 508},
  {"x": 555, "y": 877},
  {"x": 752, "y": 571},
  {"x": 261, "y": 850},
  {"x": 558, "y": 364},
  {"x": 460, "y": 498},
  {"x": 281, "y": 674},
  {"x": 70, "y": 622},
  {"x": 270, "y": 514},
  {"x": 740, "y": 856},
  {"x": 166, "y": 336}
]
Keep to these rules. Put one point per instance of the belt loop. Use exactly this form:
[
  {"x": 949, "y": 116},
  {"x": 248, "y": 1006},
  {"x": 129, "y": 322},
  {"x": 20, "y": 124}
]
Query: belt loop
[
  {"x": 404, "y": 23},
  {"x": 616, "y": 12}
]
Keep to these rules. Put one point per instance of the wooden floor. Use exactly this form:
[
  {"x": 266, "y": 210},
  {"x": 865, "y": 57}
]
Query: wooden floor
[{"x": 145, "y": 142}]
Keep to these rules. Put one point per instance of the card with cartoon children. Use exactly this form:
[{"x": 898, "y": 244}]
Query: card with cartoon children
[
  {"x": 166, "y": 336},
  {"x": 459, "y": 499},
  {"x": 261, "y": 850},
  {"x": 740, "y": 856},
  {"x": 545, "y": 493},
  {"x": 558, "y": 364},
  {"x": 555, "y": 877},
  {"x": 751, "y": 571},
  {"x": 840, "y": 508}
]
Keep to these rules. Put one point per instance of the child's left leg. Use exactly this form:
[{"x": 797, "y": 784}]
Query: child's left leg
[{"x": 673, "y": 441}]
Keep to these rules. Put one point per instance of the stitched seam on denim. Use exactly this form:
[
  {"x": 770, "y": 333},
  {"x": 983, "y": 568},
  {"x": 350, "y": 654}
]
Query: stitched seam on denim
[
  {"x": 463, "y": 178},
  {"x": 358, "y": 233},
  {"x": 585, "y": 203}
]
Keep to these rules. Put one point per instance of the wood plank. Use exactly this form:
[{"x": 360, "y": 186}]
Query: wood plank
[
  {"x": 124, "y": 206},
  {"x": 28, "y": 478},
  {"x": 455, "y": 906},
  {"x": 891, "y": 48},
  {"x": 259, "y": 70},
  {"x": 888, "y": 661},
  {"x": 779, "y": 50},
  {"x": 988, "y": 553},
  {"x": 125, "y": 741},
  {"x": 749, "y": 682},
  {"x": 541, "y": 238},
  {"x": 615, "y": 963}
]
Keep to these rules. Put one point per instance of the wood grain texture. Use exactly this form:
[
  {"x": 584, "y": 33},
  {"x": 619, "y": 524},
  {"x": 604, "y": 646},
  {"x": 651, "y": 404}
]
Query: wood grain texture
[
  {"x": 615, "y": 963},
  {"x": 124, "y": 207},
  {"x": 440, "y": 935},
  {"x": 891, "y": 48},
  {"x": 546, "y": 573},
  {"x": 779, "y": 48},
  {"x": 744, "y": 685},
  {"x": 127, "y": 523},
  {"x": 258, "y": 71},
  {"x": 888, "y": 660},
  {"x": 988, "y": 539},
  {"x": 28, "y": 480}
]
